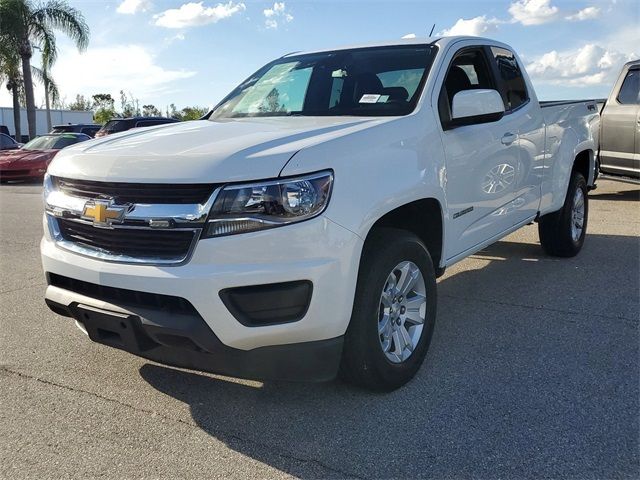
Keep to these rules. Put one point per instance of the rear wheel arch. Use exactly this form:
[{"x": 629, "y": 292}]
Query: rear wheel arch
[{"x": 584, "y": 162}]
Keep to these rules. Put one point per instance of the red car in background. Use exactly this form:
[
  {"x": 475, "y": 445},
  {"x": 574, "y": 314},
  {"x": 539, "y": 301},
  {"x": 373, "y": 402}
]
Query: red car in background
[{"x": 30, "y": 162}]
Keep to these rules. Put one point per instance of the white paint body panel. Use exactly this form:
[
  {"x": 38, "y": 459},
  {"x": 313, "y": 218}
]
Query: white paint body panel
[{"x": 379, "y": 164}]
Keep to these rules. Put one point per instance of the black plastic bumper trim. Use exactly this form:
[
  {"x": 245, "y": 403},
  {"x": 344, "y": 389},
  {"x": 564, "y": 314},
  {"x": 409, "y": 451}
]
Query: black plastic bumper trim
[
  {"x": 186, "y": 341},
  {"x": 268, "y": 304}
]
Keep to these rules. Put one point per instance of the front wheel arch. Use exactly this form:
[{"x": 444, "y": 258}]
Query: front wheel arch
[{"x": 423, "y": 218}]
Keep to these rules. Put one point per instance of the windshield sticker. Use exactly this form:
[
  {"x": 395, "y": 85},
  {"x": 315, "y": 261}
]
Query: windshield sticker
[
  {"x": 340, "y": 73},
  {"x": 370, "y": 98}
]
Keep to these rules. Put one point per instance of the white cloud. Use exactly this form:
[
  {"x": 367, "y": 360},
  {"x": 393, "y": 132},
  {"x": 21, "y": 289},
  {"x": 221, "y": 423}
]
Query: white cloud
[
  {"x": 589, "y": 65},
  {"x": 409, "y": 36},
  {"x": 588, "y": 13},
  {"x": 178, "y": 37},
  {"x": 195, "y": 14},
  {"x": 110, "y": 69},
  {"x": 533, "y": 12},
  {"x": 276, "y": 15},
  {"x": 130, "y": 7},
  {"x": 476, "y": 27}
]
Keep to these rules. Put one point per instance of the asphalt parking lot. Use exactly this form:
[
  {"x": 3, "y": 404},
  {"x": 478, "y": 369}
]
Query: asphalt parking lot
[{"x": 533, "y": 372}]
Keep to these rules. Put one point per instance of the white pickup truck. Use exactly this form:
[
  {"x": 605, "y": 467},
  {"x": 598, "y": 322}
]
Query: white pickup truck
[{"x": 297, "y": 231}]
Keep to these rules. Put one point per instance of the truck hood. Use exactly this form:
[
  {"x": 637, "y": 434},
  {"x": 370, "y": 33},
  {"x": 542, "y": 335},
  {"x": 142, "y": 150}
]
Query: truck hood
[{"x": 201, "y": 151}]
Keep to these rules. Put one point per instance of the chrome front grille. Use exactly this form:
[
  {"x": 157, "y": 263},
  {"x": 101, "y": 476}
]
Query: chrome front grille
[{"x": 155, "y": 228}]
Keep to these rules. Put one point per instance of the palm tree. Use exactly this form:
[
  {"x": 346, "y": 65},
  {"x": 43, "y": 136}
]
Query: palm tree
[
  {"x": 33, "y": 25},
  {"x": 51, "y": 93},
  {"x": 10, "y": 73}
]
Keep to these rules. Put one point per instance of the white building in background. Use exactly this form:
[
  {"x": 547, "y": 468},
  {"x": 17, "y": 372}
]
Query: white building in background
[{"x": 58, "y": 117}]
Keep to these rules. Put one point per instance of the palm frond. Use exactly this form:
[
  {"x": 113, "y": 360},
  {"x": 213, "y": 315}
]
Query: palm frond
[
  {"x": 43, "y": 76},
  {"x": 45, "y": 38},
  {"x": 59, "y": 15}
]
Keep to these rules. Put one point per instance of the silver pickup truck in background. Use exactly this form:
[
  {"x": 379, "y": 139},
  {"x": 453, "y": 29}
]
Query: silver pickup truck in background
[{"x": 620, "y": 125}]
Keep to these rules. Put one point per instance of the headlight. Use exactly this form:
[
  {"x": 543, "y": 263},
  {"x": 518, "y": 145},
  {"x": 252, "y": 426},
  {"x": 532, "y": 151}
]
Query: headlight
[{"x": 258, "y": 206}]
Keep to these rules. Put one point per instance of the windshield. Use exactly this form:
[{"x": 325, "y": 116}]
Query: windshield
[
  {"x": 62, "y": 129},
  {"x": 113, "y": 126},
  {"x": 365, "y": 81},
  {"x": 53, "y": 142}
]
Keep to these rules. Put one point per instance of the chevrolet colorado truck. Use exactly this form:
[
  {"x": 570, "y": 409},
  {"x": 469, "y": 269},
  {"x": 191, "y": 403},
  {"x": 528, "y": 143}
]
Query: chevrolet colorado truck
[{"x": 297, "y": 230}]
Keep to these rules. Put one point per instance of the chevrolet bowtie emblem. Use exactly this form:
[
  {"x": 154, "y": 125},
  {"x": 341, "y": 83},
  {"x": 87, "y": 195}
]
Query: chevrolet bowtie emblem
[{"x": 103, "y": 212}]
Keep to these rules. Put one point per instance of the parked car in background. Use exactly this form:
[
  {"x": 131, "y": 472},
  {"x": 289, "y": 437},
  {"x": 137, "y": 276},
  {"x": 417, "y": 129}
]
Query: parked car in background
[
  {"x": 87, "y": 128},
  {"x": 31, "y": 161},
  {"x": 8, "y": 143},
  {"x": 312, "y": 210},
  {"x": 4, "y": 129},
  {"x": 118, "y": 125},
  {"x": 620, "y": 125}
]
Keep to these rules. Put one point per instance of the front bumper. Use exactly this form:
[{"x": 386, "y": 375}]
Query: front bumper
[
  {"x": 318, "y": 251},
  {"x": 8, "y": 174},
  {"x": 186, "y": 341}
]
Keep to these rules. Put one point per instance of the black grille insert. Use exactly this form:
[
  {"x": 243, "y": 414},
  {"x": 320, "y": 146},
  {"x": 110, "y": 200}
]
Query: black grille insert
[
  {"x": 123, "y": 297},
  {"x": 140, "y": 243},
  {"x": 158, "y": 193}
]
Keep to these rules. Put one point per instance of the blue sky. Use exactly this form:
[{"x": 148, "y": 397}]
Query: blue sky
[{"x": 194, "y": 52}]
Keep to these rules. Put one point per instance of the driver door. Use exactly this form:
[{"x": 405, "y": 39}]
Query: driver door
[{"x": 482, "y": 160}]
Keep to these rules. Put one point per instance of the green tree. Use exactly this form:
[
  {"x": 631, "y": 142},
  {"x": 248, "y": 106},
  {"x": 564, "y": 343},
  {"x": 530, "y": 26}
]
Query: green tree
[
  {"x": 271, "y": 103},
  {"x": 51, "y": 92},
  {"x": 35, "y": 25},
  {"x": 172, "y": 112},
  {"x": 104, "y": 107},
  {"x": 130, "y": 106},
  {"x": 10, "y": 73},
  {"x": 192, "y": 113},
  {"x": 150, "y": 111},
  {"x": 81, "y": 104}
]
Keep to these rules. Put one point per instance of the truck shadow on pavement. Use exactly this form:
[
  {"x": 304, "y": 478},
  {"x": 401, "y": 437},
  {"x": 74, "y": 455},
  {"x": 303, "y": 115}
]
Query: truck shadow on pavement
[
  {"x": 627, "y": 195},
  {"x": 532, "y": 372}
]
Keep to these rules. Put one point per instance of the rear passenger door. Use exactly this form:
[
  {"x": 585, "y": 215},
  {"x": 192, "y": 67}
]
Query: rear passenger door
[{"x": 523, "y": 113}]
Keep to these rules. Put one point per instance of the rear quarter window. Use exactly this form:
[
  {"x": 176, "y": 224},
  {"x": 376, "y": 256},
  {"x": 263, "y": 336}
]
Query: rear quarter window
[
  {"x": 630, "y": 90},
  {"x": 515, "y": 89}
]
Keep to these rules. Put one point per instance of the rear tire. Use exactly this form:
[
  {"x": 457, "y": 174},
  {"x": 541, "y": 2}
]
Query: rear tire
[
  {"x": 393, "y": 314},
  {"x": 562, "y": 233}
]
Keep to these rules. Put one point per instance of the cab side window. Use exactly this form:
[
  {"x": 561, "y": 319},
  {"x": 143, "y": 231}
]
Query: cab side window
[
  {"x": 630, "y": 90},
  {"x": 515, "y": 89},
  {"x": 468, "y": 70}
]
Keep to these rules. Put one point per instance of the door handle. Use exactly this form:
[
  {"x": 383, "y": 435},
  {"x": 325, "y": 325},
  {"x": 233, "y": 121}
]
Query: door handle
[{"x": 508, "y": 138}]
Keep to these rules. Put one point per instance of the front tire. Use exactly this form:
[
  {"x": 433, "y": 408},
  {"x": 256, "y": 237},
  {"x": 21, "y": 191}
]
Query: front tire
[
  {"x": 393, "y": 314},
  {"x": 562, "y": 233}
]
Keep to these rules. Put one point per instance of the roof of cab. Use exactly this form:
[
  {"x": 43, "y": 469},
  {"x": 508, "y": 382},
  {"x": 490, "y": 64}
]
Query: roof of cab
[{"x": 439, "y": 41}]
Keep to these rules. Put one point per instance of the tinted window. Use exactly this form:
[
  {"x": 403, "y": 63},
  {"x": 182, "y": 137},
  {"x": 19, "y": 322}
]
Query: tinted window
[
  {"x": 630, "y": 89},
  {"x": 516, "y": 89},
  {"x": 91, "y": 131},
  {"x": 150, "y": 123},
  {"x": 54, "y": 142},
  {"x": 468, "y": 71},
  {"x": 365, "y": 81},
  {"x": 62, "y": 129},
  {"x": 6, "y": 141},
  {"x": 113, "y": 126},
  {"x": 65, "y": 141}
]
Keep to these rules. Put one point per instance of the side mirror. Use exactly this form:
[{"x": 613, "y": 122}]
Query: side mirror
[{"x": 476, "y": 106}]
